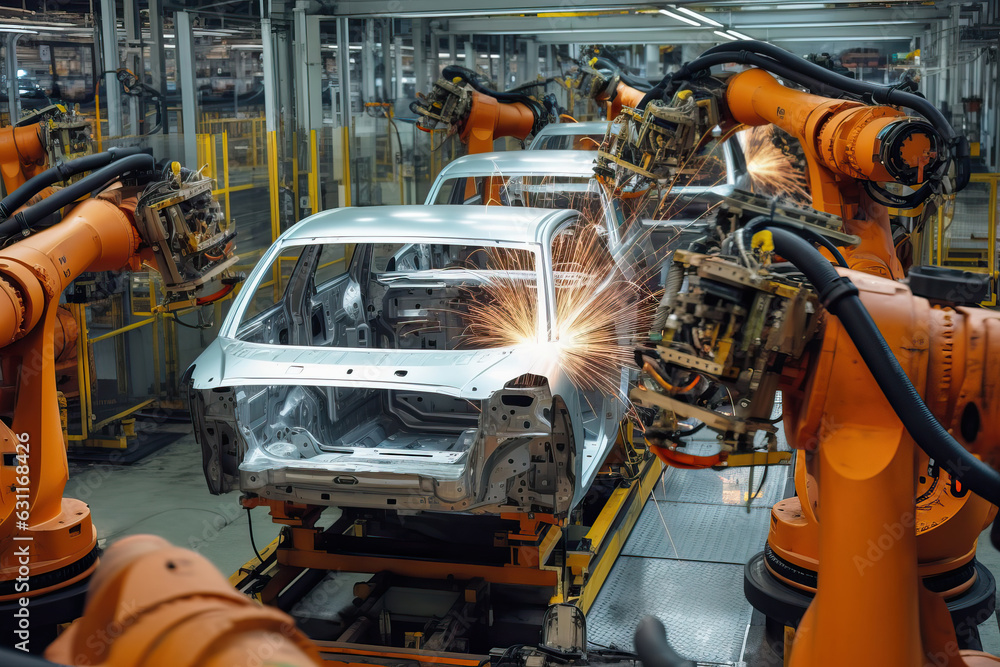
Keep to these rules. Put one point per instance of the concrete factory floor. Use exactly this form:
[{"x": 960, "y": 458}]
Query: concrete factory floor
[{"x": 684, "y": 556}]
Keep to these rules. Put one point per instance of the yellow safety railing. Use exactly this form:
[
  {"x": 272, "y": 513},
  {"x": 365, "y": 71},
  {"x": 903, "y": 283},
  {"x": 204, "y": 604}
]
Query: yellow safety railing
[
  {"x": 89, "y": 425},
  {"x": 981, "y": 226},
  {"x": 249, "y": 130}
]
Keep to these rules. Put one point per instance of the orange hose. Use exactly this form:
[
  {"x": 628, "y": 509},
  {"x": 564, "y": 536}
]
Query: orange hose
[
  {"x": 683, "y": 460},
  {"x": 648, "y": 368},
  {"x": 212, "y": 298}
]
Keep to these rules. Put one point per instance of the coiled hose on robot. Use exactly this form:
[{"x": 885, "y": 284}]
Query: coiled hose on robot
[
  {"x": 840, "y": 297},
  {"x": 60, "y": 172},
  {"x": 28, "y": 219},
  {"x": 506, "y": 97},
  {"x": 600, "y": 62},
  {"x": 789, "y": 66}
]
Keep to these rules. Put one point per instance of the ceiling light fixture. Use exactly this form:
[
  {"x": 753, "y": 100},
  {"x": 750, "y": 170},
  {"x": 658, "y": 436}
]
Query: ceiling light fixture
[
  {"x": 14, "y": 27},
  {"x": 838, "y": 24},
  {"x": 678, "y": 17},
  {"x": 722, "y": 34},
  {"x": 738, "y": 35},
  {"x": 698, "y": 16}
]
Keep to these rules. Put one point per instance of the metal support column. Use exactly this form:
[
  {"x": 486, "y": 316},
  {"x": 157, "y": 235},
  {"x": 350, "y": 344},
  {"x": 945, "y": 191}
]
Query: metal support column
[
  {"x": 503, "y": 74},
  {"x": 270, "y": 115},
  {"x": 367, "y": 54},
  {"x": 133, "y": 61},
  {"x": 13, "y": 96},
  {"x": 282, "y": 57},
  {"x": 189, "y": 89},
  {"x": 344, "y": 65},
  {"x": 388, "y": 62},
  {"x": 432, "y": 54},
  {"x": 111, "y": 61},
  {"x": 954, "y": 87},
  {"x": 157, "y": 59},
  {"x": 308, "y": 69},
  {"x": 653, "y": 68},
  {"x": 470, "y": 53},
  {"x": 452, "y": 46},
  {"x": 397, "y": 67},
  {"x": 530, "y": 59},
  {"x": 308, "y": 87},
  {"x": 420, "y": 55}
]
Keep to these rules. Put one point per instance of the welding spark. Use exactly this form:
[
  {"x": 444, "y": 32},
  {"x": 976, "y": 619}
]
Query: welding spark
[
  {"x": 774, "y": 172},
  {"x": 598, "y": 312}
]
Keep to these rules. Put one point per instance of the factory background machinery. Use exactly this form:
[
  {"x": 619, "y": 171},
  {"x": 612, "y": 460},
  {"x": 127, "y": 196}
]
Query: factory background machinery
[{"x": 138, "y": 136}]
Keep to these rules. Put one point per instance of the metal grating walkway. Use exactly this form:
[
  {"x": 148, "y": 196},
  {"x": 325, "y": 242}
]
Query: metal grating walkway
[{"x": 683, "y": 562}]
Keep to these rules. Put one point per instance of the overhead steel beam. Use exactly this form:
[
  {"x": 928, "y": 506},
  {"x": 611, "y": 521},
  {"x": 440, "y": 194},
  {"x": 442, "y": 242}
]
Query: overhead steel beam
[
  {"x": 444, "y": 8},
  {"x": 822, "y": 42},
  {"x": 890, "y": 20}
]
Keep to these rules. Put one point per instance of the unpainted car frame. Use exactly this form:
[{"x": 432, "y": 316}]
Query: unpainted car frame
[{"x": 482, "y": 430}]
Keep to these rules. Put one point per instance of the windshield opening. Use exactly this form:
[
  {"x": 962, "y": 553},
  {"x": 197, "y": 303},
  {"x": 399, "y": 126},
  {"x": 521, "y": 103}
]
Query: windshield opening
[
  {"x": 426, "y": 296},
  {"x": 568, "y": 142}
]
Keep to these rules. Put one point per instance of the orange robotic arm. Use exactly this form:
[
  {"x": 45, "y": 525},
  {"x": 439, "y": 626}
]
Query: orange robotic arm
[
  {"x": 151, "y": 603},
  {"x": 22, "y": 154},
  {"x": 489, "y": 120},
  {"x": 625, "y": 96},
  {"x": 42, "y": 533},
  {"x": 478, "y": 115},
  {"x": 845, "y": 143}
]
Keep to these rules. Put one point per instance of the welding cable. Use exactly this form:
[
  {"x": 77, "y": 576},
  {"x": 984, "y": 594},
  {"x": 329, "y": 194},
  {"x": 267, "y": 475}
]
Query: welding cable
[
  {"x": 509, "y": 97},
  {"x": 60, "y": 172},
  {"x": 683, "y": 460},
  {"x": 250, "y": 530},
  {"x": 600, "y": 62},
  {"x": 756, "y": 224},
  {"x": 840, "y": 296},
  {"x": 653, "y": 648},
  {"x": 212, "y": 298},
  {"x": 25, "y": 220},
  {"x": 648, "y": 368}
]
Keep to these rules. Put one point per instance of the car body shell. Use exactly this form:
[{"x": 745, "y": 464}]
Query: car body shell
[
  {"x": 565, "y": 136},
  {"x": 648, "y": 242},
  {"x": 536, "y": 446}
]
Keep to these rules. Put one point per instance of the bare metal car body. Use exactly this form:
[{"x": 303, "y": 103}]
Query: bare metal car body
[
  {"x": 295, "y": 404},
  {"x": 565, "y": 179},
  {"x": 585, "y": 136}
]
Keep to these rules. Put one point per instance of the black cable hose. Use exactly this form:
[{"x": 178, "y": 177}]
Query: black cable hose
[
  {"x": 623, "y": 76},
  {"x": 452, "y": 71},
  {"x": 746, "y": 58},
  {"x": 840, "y": 297},
  {"x": 653, "y": 648},
  {"x": 250, "y": 530},
  {"x": 879, "y": 94},
  {"x": 60, "y": 172},
  {"x": 804, "y": 72},
  {"x": 761, "y": 221},
  {"x": 30, "y": 216}
]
